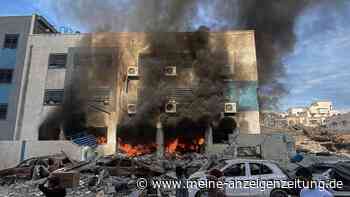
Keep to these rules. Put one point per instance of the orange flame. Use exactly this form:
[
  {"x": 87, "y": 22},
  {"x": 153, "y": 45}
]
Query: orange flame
[
  {"x": 172, "y": 147},
  {"x": 201, "y": 141},
  {"x": 136, "y": 150},
  {"x": 101, "y": 140},
  {"x": 176, "y": 145}
]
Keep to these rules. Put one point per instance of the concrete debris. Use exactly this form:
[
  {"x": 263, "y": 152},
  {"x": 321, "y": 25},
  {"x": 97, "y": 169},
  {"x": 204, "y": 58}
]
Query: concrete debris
[
  {"x": 322, "y": 140},
  {"x": 317, "y": 139},
  {"x": 106, "y": 176},
  {"x": 35, "y": 168},
  {"x": 116, "y": 175}
]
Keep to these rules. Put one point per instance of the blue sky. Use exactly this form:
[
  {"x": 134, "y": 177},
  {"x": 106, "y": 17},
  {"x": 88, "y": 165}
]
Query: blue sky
[{"x": 317, "y": 69}]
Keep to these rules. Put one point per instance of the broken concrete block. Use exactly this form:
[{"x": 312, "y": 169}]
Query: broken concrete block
[{"x": 68, "y": 179}]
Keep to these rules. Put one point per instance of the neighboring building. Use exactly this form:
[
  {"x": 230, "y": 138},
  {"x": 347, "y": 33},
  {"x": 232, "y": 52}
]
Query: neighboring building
[
  {"x": 14, "y": 33},
  {"x": 312, "y": 116},
  {"x": 296, "y": 111},
  {"x": 319, "y": 112},
  {"x": 339, "y": 123},
  {"x": 271, "y": 119},
  {"x": 297, "y": 116}
]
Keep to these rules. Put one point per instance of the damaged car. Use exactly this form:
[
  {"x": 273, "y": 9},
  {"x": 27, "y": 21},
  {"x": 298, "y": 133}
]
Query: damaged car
[{"x": 241, "y": 170}]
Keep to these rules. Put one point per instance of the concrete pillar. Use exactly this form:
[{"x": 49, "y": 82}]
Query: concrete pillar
[
  {"x": 208, "y": 138},
  {"x": 62, "y": 136},
  {"x": 112, "y": 133},
  {"x": 160, "y": 139}
]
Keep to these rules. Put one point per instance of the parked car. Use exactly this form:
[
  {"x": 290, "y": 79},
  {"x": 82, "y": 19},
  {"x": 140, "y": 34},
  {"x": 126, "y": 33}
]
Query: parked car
[{"x": 244, "y": 170}]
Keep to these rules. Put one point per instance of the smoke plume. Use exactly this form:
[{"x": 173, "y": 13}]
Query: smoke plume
[{"x": 273, "y": 21}]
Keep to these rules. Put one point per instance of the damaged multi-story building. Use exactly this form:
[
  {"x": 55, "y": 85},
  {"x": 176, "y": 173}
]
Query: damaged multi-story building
[
  {"x": 137, "y": 88},
  {"x": 314, "y": 115}
]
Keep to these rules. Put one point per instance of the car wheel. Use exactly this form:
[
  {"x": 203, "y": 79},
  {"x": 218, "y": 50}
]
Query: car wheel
[{"x": 279, "y": 193}]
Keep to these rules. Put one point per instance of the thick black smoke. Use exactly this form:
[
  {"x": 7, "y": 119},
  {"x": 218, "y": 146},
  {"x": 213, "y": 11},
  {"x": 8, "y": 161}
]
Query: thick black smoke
[
  {"x": 273, "y": 21},
  {"x": 202, "y": 104}
]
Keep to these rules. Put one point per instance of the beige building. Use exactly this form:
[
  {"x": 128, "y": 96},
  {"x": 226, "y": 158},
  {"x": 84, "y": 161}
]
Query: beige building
[
  {"x": 59, "y": 63},
  {"x": 314, "y": 115}
]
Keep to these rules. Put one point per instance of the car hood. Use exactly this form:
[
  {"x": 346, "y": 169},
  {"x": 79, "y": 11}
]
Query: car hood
[{"x": 199, "y": 174}]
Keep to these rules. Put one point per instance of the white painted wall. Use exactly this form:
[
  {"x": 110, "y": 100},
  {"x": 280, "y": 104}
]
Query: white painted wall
[
  {"x": 14, "y": 25},
  {"x": 10, "y": 153},
  {"x": 41, "y": 78},
  {"x": 249, "y": 122}
]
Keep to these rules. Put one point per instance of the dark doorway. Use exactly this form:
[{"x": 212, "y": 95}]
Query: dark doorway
[{"x": 226, "y": 126}]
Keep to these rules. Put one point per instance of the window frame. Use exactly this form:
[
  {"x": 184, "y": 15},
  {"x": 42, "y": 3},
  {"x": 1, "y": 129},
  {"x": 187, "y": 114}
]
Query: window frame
[
  {"x": 261, "y": 167},
  {"x": 229, "y": 167},
  {"x": 57, "y": 66},
  {"x": 2, "y": 118},
  {"x": 45, "y": 103},
  {"x": 9, "y": 72},
  {"x": 7, "y": 45}
]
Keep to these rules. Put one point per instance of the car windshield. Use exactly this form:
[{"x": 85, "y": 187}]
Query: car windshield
[{"x": 220, "y": 166}]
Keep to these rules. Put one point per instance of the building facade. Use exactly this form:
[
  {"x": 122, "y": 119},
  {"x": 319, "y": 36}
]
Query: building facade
[
  {"x": 14, "y": 33},
  {"x": 314, "y": 115},
  {"x": 101, "y": 68},
  {"x": 339, "y": 123}
]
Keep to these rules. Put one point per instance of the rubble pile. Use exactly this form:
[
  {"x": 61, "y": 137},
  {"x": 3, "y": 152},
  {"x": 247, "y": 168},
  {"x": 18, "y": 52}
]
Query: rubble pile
[
  {"x": 106, "y": 176},
  {"x": 321, "y": 140},
  {"x": 307, "y": 145}
]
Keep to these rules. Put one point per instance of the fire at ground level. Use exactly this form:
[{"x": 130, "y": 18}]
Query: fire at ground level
[
  {"x": 186, "y": 137},
  {"x": 117, "y": 174}
]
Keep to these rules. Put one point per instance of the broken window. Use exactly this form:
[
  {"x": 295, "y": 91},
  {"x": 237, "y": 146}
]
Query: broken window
[
  {"x": 235, "y": 170},
  {"x": 11, "y": 41},
  {"x": 101, "y": 95},
  {"x": 3, "y": 111},
  {"x": 53, "y": 97},
  {"x": 6, "y": 75},
  {"x": 100, "y": 133},
  {"x": 259, "y": 169},
  {"x": 49, "y": 131},
  {"x": 57, "y": 60},
  {"x": 226, "y": 127},
  {"x": 345, "y": 123}
]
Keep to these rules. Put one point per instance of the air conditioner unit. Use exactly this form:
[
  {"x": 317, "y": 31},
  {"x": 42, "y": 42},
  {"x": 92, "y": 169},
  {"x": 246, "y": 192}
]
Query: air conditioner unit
[
  {"x": 230, "y": 108},
  {"x": 170, "y": 71},
  {"x": 133, "y": 71},
  {"x": 132, "y": 109},
  {"x": 170, "y": 107},
  {"x": 228, "y": 70}
]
